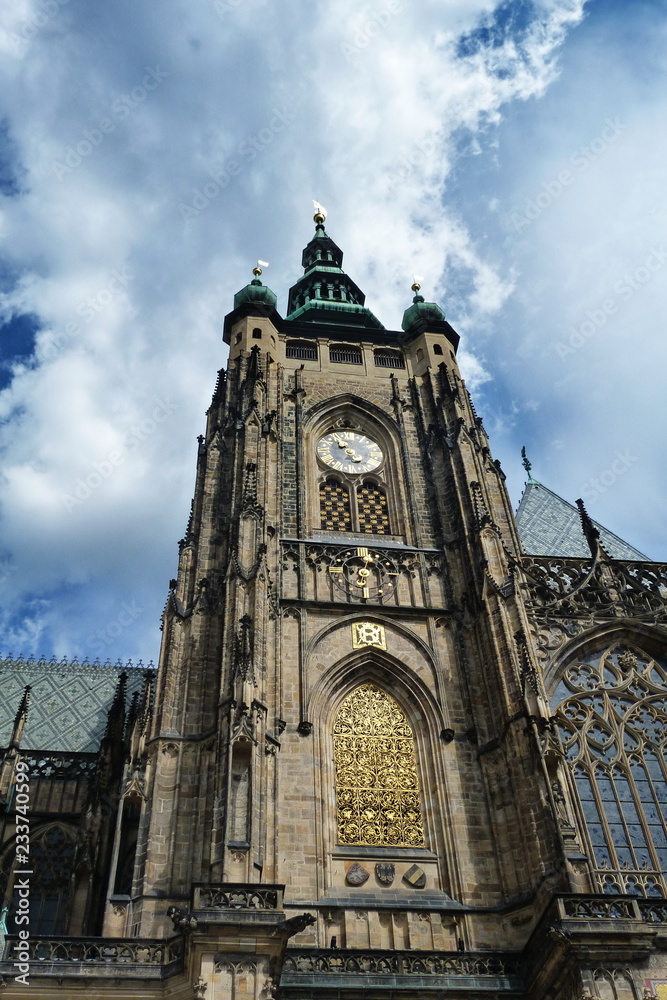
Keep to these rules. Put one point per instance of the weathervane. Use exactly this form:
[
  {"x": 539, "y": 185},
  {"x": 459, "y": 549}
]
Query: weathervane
[
  {"x": 416, "y": 282},
  {"x": 320, "y": 213},
  {"x": 257, "y": 269}
]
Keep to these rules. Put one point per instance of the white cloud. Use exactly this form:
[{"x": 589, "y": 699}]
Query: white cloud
[{"x": 381, "y": 125}]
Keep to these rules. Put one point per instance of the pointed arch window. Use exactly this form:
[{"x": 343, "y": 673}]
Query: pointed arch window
[
  {"x": 613, "y": 726},
  {"x": 335, "y": 511},
  {"x": 377, "y": 789},
  {"x": 52, "y": 852}
]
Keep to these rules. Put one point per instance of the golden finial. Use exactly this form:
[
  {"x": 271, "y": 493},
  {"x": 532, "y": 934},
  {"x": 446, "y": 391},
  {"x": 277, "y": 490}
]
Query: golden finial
[
  {"x": 257, "y": 269},
  {"x": 416, "y": 282},
  {"x": 320, "y": 213}
]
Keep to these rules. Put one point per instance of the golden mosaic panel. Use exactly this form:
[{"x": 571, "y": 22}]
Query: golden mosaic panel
[
  {"x": 372, "y": 509},
  {"x": 335, "y": 514},
  {"x": 377, "y": 791}
]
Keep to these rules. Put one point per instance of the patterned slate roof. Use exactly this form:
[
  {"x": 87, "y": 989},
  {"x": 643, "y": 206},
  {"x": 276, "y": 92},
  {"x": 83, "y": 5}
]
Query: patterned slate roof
[
  {"x": 550, "y": 526},
  {"x": 69, "y": 701}
]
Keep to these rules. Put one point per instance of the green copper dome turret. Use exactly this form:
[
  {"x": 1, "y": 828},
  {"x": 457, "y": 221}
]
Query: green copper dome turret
[
  {"x": 421, "y": 314},
  {"x": 325, "y": 294},
  {"x": 256, "y": 293}
]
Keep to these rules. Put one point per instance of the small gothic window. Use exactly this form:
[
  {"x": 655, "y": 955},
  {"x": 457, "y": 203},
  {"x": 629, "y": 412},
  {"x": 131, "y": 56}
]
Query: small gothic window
[
  {"x": 420, "y": 354},
  {"x": 335, "y": 511},
  {"x": 377, "y": 789},
  {"x": 372, "y": 509},
  {"x": 437, "y": 349},
  {"x": 613, "y": 728},
  {"x": 257, "y": 334}
]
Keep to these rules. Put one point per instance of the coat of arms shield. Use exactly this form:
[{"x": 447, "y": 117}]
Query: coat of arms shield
[{"x": 385, "y": 872}]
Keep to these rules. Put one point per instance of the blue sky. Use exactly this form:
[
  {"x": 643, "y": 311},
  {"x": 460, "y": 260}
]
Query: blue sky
[{"x": 513, "y": 154}]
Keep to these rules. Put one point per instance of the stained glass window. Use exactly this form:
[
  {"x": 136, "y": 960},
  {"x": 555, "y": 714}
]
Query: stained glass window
[
  {"x": 613, "y": 726},
  {"x": 377, "y": 791}
]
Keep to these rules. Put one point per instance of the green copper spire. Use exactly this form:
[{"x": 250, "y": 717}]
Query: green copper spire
[
  {"x": 421, "y": 313},
  {"x": 527, "y": 466},
  {"x": 256, "y": 292},
  {"x": 325, "y": 294}
]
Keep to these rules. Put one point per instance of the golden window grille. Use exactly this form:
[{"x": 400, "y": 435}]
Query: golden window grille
[
  {"x": 335, "y": 513},
  {"x": 372, "y": 509},
  {"x": 377, "y": 790}
]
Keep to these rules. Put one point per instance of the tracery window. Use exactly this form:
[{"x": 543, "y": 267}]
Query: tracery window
[
  {"x": 335, "y": 513},
  {"x": 52, "y": 863},
  {"x": 613, "y": 727},
  {"x": 372, "y": 509},
  {"x": 377, "y": 790}
]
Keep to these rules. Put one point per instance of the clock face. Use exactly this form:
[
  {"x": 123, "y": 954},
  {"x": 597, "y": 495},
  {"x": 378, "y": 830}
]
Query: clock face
[
  {"x": 359, "y": 572},
  {"x": 347, "y": 451}
]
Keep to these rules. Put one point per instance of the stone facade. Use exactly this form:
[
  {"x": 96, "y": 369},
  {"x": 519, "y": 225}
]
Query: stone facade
[{"x": 351, "y": 773}]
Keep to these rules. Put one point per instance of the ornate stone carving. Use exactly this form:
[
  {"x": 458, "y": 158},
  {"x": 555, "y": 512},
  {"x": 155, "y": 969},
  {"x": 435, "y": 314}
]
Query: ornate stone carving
[
  {"x": 597, "y": 589},
  {"x": 268, "y": 990},
  {"x": 200, "y": 987},
  {"x": 182, "y": 920},
  {"x": 392, "y": 963},
  {"x": 294, "y": 925},
  {"x": 236, "y": 897}
]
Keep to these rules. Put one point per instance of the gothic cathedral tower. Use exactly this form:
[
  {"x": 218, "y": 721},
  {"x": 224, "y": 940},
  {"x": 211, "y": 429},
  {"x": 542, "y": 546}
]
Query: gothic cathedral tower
[
  {"x": 348, "y": 780},
  {"x": 347, "y": 701}
]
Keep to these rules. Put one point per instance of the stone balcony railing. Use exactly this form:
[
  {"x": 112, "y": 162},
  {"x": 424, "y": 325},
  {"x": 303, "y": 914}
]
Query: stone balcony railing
[
  {"x": 94, "y": 956},
  {"x": 636, "y": 924},
  {"x": 241, "y": 896}
]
